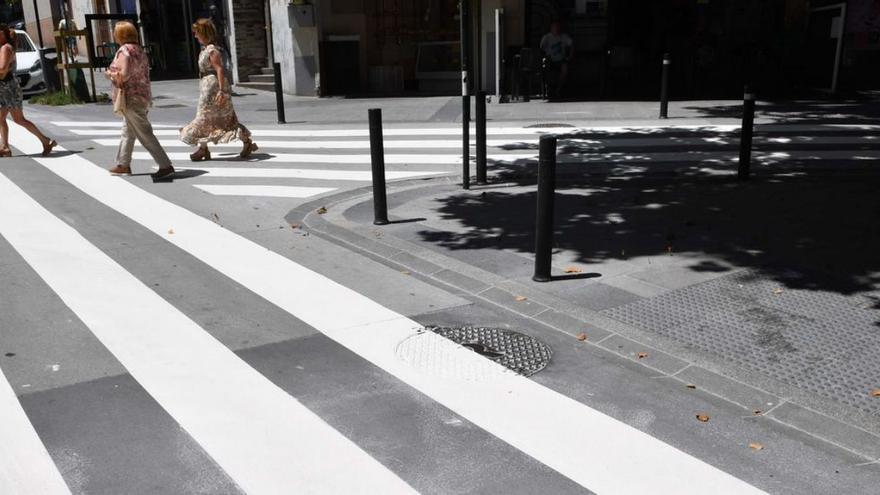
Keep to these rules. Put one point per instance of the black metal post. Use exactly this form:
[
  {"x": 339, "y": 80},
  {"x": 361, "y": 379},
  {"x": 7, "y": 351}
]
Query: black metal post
[
  {"x": 664, "y": 87},
  {"x": 745, "y": 139},
  {"x": 481, "y": 137},
  {"x": 465, "y": 14},
  {"x": 39, "y": 25},
  {"x": 377, "y": 159},
  {"x": 544, "y": 216},
  {"x": 279, "y": 94}
]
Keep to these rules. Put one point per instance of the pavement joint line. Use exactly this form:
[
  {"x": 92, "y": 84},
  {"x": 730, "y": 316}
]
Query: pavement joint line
[{"x": 363, "y": 193}]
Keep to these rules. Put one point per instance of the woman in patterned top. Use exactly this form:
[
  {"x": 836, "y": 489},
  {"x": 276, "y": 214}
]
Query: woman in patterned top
[
  {"x": 130, "y": 72},
  {"x": 10, "y": 96},
  {"x": 215, "y": 120}
]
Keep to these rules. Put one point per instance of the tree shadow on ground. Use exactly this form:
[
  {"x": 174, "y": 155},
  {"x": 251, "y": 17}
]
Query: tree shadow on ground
[
  {"x": 805, "y": 231},
  {"x": 816, "y": 111}
]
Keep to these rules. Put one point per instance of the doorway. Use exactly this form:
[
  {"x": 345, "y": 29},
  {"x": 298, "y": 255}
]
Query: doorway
[{"x": 824, "y": 46}]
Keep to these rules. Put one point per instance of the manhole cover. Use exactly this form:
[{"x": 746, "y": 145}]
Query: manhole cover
[{"x": 515, "y": 351}]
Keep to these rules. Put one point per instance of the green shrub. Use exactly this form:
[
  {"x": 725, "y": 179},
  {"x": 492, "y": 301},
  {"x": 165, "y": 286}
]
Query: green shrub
[{"x": 55, "y": 98}]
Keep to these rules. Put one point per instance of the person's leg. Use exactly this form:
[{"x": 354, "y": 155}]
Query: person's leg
[
  {"x": 4, "y": 130},
  {"x": 18, "y": 118},
  {"x": 248, "y": 144},
  {"x": 140, "y": 125},
  {"x": 126, "y": 145}
]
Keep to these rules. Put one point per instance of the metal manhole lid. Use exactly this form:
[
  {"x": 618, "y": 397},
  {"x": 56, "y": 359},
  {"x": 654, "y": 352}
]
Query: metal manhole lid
[{"x": 517, "y": 352}]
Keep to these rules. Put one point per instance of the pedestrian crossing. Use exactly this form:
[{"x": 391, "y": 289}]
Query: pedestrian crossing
[{"x": 261, "y": 436}]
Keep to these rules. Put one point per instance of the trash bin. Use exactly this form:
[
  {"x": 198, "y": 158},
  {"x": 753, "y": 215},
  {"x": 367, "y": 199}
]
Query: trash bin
[{"x": 49, "y": 60}]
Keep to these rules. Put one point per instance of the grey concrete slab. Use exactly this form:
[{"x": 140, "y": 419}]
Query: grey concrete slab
[
  {"x": 648, "y": 356},
  {"x": 635, "y": 286},
  {"x": 593, "y": 295},
  {"x": 463, "y": 282},
  {"x": 417, "y": 264},
  {"x": 748, "y": 397},
  {"x": 429, "y": 446},
  {"x": 510, "y": 301},
  {"x": 571, "y": 326},
  {"x": 849, "y": 437},
  {"x": 109, "y": 436}
]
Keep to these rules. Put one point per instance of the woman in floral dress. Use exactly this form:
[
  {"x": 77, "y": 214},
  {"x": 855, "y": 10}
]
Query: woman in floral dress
[{"x": 215, "y": 120}]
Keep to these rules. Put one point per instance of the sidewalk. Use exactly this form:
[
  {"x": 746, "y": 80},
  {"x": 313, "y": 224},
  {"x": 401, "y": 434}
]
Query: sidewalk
[
  {"x": 175, "y": 101},
  {"x": 763, "y": 294}
]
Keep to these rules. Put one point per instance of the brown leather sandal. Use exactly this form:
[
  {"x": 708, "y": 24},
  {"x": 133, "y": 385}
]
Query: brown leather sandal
[
  {"x": 5, "y": 152},
  {"x": 47, "y": 148},
  {"x": 249, "y": 147},
  {"x": 201, "y": 154}
]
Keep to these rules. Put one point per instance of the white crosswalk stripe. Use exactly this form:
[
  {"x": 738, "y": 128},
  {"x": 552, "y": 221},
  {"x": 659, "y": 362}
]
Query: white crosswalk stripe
[{"x": 251, "y": 428}]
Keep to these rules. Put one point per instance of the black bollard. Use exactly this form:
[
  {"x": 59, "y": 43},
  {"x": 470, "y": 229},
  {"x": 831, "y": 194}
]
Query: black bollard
[
  {"x": 466, "y": 51},
  {"x": 481, "y": 138},
  {"x": 544, "y": 216},
  {"x": 664, "y": 88},
  {"x": 745, "y": 139},
  {"x": 279, "y": 94},
  {"x": 377, "y": 158}
]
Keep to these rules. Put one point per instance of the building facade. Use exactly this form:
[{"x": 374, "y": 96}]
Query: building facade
[{"x": 350, "y": 47}]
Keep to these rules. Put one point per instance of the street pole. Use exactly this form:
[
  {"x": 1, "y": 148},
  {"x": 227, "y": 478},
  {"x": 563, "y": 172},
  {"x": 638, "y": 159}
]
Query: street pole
[
  {"x": 664, "y": 88},
  {"x": 544, "y": 215},
  {"x": 377, "y": 160},
  {"x": 465, "y": 14},
  {"x": 745, "y": 138},
  {"x": 481, "y": 137},
  {"x": 39, "y": 27},
  {"x": 279, "y": 93}
]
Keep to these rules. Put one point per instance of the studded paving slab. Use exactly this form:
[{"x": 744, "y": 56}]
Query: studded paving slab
[{"x": 821, "y": 342}]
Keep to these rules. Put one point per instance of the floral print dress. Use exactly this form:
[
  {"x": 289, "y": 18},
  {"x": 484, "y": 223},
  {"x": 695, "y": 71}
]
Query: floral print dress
[
  {"x": 10, "y": 90},
  {"x": 214, "y": 122}
]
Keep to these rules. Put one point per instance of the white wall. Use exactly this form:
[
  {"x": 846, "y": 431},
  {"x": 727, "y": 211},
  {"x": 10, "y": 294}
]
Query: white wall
[{"x": 295, "y": 48}]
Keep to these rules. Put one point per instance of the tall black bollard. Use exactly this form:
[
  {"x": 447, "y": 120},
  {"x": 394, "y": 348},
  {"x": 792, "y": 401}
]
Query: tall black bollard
[
  {"x": 279, "y": 94},
  {"x": 465, "y": 18},
  {"x": 481, "y": 137},
  {"x": 745, "y": 140},
  {"x": 377, "y": 158},
  {"x": 544, "y": 216},
  {"x": 664, "y": 87}
]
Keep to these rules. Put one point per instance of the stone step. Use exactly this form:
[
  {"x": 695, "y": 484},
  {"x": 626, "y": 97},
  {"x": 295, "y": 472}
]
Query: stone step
[
  {"x": 267, "y": 70},
  {"x": 261, "y": 78},
  {"x": 258, "y": 85}
]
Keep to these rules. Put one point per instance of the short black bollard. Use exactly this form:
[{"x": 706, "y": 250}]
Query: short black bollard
[
  {"x": 664, "y": 88},
  {"x": 745, "y": 139},
  {"x": 279, "y": 93},
  {"x": 466, "y": 142},
  {"x": 377, "y": 158},
  {"x": 481, "y": 137},
  {"x": 544, "y": 216}
]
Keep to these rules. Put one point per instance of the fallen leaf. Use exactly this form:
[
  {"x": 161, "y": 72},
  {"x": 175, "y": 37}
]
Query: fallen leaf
[
  {"x": 294, "y": 226},
  {"x": 691, "y": 386},
  {"x": 520, "y": 298},
  {"x": 405, "y": 272},
  {"x": 581, "y": 336},
  {"x": 216, "y": 217},
  {"x": 642, "y": 355},
  {"x": 778, "y": 291},
  {"x": 876, "y": 393},
  {"x": 321, "y": 210},
  {"x": 756, "y": 446},
  {"x": 702, "y": 418},
  {"x": 757, "y": 412},
  {"x": 572, "y": 269},
  {"x": 170, "y": 231}
]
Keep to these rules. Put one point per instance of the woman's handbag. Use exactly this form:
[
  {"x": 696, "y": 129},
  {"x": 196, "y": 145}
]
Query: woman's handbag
[{"x": 119, "y": 104}]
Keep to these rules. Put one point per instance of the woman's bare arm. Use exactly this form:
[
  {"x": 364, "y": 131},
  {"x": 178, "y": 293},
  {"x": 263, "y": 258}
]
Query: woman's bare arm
[
  {"x": 217, "y": 64},
  {"x": 6, "y": 57}
]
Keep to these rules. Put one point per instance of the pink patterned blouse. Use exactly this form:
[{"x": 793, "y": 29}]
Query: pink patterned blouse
[{"x": 137, "y": 71}]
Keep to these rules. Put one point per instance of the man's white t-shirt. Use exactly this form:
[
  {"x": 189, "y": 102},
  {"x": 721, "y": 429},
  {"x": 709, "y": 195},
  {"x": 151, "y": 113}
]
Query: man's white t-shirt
[{"x": 555, "y": 46}]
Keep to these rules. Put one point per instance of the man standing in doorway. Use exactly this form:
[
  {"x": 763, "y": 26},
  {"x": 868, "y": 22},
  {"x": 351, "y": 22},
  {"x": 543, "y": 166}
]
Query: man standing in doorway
[{"x": 558, "y": 48}]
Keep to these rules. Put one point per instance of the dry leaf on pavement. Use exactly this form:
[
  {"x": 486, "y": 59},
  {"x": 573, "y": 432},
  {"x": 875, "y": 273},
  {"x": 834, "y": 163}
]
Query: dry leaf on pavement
[
  {"x": 642, "y": 355},
  {"x": 582, "y": 336},
  {"x": 520, "y": 298},
  {"x": 757, "y": 412},
  {"x": 691, "y": 386},
  {"x": 702, "y": 418},
  {"x": 778, "y": 291},
  {"x": 572, "y": 269},
  {"x": 406, "y": 272},
  {"x": 876, "y": 393},
  {"x": 170, "y": 231},
  {"x": 756, "y": 446},
  {"x": 321, "y": 210}
]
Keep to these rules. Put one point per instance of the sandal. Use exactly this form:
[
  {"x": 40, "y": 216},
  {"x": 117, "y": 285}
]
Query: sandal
[
  {"x": 47, "y": 148},
  {"x": 201, "y": 154},
  {"x": 249, "y": 147},
  {"x": 5, "y": 152}
]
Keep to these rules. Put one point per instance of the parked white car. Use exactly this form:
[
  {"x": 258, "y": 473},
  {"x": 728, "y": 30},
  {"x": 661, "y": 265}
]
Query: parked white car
[{"x": 30, "y": 68}]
